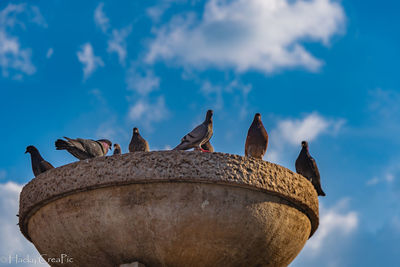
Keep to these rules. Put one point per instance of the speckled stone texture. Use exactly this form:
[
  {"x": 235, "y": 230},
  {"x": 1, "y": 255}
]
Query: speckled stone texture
[{"x": 170, "y": 208}]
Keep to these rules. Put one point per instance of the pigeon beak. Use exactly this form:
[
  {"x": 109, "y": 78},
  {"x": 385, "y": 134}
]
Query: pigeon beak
[{"x": 26, "y": 151}]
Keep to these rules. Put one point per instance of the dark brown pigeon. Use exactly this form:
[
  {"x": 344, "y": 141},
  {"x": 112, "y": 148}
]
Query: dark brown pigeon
[
  {"x": 206, "y": 146},
  {"x": 39, "y": 165},
  {"x": 117, "y": 149},
  {"x": 306, "y": 166},
  {"x": 199, "y": 136},
  {"x": 138, "y": 143},
  {"x": 84, "y": 148},
  {"x": 257, "y": 139}
]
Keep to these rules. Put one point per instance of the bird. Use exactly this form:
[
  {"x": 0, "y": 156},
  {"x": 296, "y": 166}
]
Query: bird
[
  {"x": 117, "y": 149},
  {"x": 306, "y": 166},
  {"x": 206, "y": 146},
  {"x": 84, "y": 148},
  {"x": 138, "y": 143},
  {"x": 199, "y": 135},
  {"x": 257, "y": 139},
  {"x": 39, "y": 165}
]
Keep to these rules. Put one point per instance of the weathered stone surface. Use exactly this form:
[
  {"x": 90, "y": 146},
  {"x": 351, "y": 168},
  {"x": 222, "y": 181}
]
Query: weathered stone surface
[{"x": 170, "y": 208}]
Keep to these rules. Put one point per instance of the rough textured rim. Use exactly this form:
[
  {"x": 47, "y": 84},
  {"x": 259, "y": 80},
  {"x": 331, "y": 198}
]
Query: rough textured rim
[{"x": 168, "y": 166}]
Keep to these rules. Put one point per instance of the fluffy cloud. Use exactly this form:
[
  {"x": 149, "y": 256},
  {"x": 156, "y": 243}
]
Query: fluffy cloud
[
  {"x": 100, "y": 18},
  {"x": 147, "y": 112},
  {"x": 249, "y": 34},
  {"x": 290, "y": 133},
  {"x": 15, "y": 61},
  {"x": 307, "y": 128},
  {"x": 143, "y": 82},
  {"x": 337, "y": 225},
  {"x": 334, "y": 221},
  {"x": 117, "y": 43},
  {"x": 117, "y": 39},
  {"x": 12, "y": 242},
  {"x": 89, "y": 60}
]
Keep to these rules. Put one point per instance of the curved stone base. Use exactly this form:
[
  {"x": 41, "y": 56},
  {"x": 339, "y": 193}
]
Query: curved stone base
[
  {"x": 171, "y": 224},
  {"x": 170, "y": 209}
]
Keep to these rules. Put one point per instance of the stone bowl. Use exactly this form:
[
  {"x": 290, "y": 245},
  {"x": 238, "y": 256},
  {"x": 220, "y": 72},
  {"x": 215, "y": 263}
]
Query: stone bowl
[{"x": 169, "y": 208}]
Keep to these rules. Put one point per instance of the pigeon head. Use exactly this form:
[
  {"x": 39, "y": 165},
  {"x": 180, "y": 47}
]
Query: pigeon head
[
  {"x": 209, "y": 115},
  {"x": 304, "y": 144},
  {"x": 135, "y": 130},
  {"x": 257, "y": 116},
  {"x": 105, "y": 141},
  {"x": 116, "y": 146},
  {"x": 31, "y": 149}
]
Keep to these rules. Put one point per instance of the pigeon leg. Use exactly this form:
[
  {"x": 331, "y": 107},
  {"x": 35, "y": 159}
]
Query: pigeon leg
[{"x": 203, "y": 150}]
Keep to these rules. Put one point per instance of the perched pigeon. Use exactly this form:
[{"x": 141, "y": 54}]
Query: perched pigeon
[
  {"x": 84, "y": 148},
  {"x": 257, "y": 139},
  {"x": 206, "y": 146},
  {"x": 39, "y": 165},
  {"x": 199, "y": 136},
  {"x": 138, "y": 143},
  {"x": 306, "y": 166},
  {"x": 117, "y": 149}
]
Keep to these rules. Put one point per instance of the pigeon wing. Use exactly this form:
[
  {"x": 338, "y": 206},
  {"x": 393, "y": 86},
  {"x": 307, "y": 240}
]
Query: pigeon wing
[
  {"x": 76, "y": 148},
  {"x": 92, "y": 147},
  {"x": 45, "y": 166},
  {"x": 196, "y": 135}
]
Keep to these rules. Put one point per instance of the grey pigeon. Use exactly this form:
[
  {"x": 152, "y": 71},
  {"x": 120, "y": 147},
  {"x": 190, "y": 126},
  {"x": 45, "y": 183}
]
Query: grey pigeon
[
  {"x": 84, "y": 148},
  {"x": 39, "y": 165},
  {"x": 257, "y": 139},
  {"x": 199, "y": 136},
  {"x": 206, "y": 146},
  {"x": 138, "y": 143},
  {"x": 117, "y": 149},
  {"x": 306, "y": 166}
]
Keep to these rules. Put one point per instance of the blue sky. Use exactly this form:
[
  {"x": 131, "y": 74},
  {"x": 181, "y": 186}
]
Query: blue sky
[{"x": 321, "y": 70}]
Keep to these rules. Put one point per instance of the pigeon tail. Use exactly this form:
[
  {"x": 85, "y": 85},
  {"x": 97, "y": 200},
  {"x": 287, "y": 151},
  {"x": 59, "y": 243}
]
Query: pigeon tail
[
  {"x": 62, "y": 144},
  {"x": 181, "y": 146},
  {"x": 320, "y": 192}
]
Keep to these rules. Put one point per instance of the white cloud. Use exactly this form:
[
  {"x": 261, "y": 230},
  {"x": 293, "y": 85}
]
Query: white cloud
[
  {"x": 100, "y": 18},
  {"x": 386, "y": 178},
  {"x": 333, "y": 221},
  {"x": 37, "y": 17},
  {"x": 49, "y": 53},
  {"x": 337, "y": 227},
  {"x": 12, "y": 242},
  {"x": 147, "y": 112},
  {"x": 307, "y": 128},
  {"x": 117, "y": 39},
  {"x": 89, "y": 60},
  {"x": 249, "y": 34},
  {"x": 117, "y": 43},
  {"x": 143, "y": 82},
  {"x": 290, "y": 133},
  {"x": 14, "y": 60}
]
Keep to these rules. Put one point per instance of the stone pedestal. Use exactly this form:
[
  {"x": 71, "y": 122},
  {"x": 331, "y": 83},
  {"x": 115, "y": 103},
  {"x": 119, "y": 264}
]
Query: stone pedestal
[{"x": 170, "y": 208}]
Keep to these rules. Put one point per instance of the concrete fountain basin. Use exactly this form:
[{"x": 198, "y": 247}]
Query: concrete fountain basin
[{"x": 170, "y": 208}]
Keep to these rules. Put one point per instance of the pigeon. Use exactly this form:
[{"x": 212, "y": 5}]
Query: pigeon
[
  {"x": 257, "y": 139},
  {"x": 117, "y": 149},
  {"x": 39, "y": 165},
  {"x": 138, "y": 143},
  {"x": 84, "y": 148},
  {"x": 206, "y": 146},
  {"x": 199, "y": 136},
  {"x": 306, "y": 166}
]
